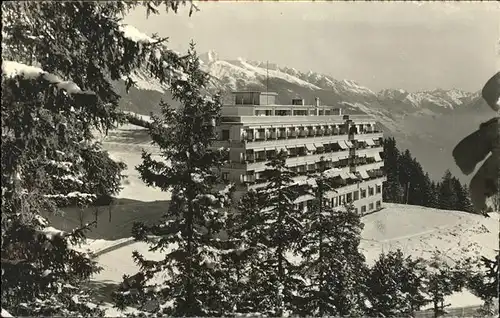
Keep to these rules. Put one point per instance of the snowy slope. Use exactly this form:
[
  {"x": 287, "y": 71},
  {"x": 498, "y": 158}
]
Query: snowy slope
[
  {"x": 420, "y": 231},
  {"x": 126, "y": 144},
  {"x": 416, "y": 230}
]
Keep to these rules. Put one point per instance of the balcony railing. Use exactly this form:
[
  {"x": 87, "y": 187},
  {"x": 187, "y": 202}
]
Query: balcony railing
[
  {"x": 297, "y": 159},
  {"x": 344, "y": 187},
  {"x": 313, "y": 119},
  {"x": 291, "y": 139}
]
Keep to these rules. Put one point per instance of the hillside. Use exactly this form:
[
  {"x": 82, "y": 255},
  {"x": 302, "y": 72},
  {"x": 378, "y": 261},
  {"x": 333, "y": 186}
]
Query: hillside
[
  {"x": 417, "y": 231},
  {"x": 429, "y": 123}
]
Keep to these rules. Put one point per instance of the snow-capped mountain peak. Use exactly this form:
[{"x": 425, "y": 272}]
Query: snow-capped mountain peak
[
  {"x": 289, "y": 82},
  {"x": 209, "y": 57}
]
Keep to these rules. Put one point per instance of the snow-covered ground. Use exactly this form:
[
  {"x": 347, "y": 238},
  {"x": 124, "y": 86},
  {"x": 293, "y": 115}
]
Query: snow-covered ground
[
  {"x": 126, "y": 144},
  {"x": 98, "y": 245},
  {"x": 420, "y": 231},
  {"x": 417, "y": 231},
  {"x": 5, "y": 313}
]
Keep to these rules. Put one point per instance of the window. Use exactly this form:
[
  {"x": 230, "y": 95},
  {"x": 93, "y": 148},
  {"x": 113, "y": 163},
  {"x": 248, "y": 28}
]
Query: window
[
  {"x": 301, "y": 206},
  {"x": 309, "y": 205},
  {"x": 370, "y": 191},
  {"x": 379, "y": 204},
  {"x": 356, "y": 210},
  {"x": 356, "y": 195},
  {"x": 225, "y": 176},
  {"x": 225, "y": 134},
  {"x": 379, "y": 189},
  {"x": 363, "y": 193},
  {"x": 349, "y": 198},
  {"x": 363, "y": 209},
  {"x": 371, "y": 206}
]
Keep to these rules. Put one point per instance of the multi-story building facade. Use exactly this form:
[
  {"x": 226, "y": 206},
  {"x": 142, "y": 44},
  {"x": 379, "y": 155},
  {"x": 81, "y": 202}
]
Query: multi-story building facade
[{"x": 255, "y": 128}]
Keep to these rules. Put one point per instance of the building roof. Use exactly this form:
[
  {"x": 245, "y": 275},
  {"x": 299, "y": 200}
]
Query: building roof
[{"x": 255, "y": 92}]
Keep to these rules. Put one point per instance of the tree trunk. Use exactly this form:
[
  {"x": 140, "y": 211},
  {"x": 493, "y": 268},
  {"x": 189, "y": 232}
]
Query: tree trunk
[
  {"x": 496, "y": 154},
  {"x": 189, "y": 266},
  {"x": 322, "y": 309},
  {"x": 280, "y": 252}
]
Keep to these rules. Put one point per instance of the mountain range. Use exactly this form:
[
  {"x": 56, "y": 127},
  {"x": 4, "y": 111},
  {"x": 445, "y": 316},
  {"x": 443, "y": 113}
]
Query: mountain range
[{"x": 428, "y": 123}]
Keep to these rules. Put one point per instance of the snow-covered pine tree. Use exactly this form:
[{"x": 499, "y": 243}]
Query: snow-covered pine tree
[
  {"x": 392, "y": 190},
  {"x": 483, "y": 281},
  {"x": 244, "y": 244},
  {"x": 463, "y": 198},
  {"x": 272, "y": 230},
  {"x": 331, "y": 265},
  {"x": 442, "y": 280},
  {"x": 189, "y": 234},
  {"x": 429, "y": 192},
  {"x": 447, "y": 197},
  {"x": 58, "y": 62},
  {"x": 395, "y": 286}
]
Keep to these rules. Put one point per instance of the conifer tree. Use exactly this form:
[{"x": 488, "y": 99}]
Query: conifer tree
[
  {"x": 463, "y": 199},
  {"x": 483, "y": 280},
  {"x": 392, "y": 190},
  {"x": 396, "y": 285},
  {"x": 272, "y": 230},
  {"x": 429, "y": 192},
  {"x": 447, "y": 197},
  {"x": 434, "y": 201},
  {"x": 244, "y": 244},
  {"x": 59, "y": 60},
  {"x": 406, "y": 174},
  {"x": 192, "y": 226},
  {"x": 332, "y": 264},
  {"x": 442, "y": 280}
]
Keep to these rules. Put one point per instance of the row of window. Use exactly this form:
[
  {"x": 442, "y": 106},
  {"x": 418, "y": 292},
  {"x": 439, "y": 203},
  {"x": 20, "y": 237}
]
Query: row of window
[
  {"x": 296, "y": 112},
  {"x": 363, "y": 193},
  {"x": 300, "y": 151},
  {"x": 261, "y": 134},
  {"x": 371, "y": 207},
  {"x": 339, "y": 201}
]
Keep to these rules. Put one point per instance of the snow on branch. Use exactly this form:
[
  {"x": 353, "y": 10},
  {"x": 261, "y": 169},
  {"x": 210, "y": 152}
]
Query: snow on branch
[
  {"x": 5, "y": 313},
  {"x": 11, "y": 69},
  {"x": 135, "y": 35}
]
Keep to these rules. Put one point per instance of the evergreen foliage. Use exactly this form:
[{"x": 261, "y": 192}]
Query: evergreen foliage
[
  {"x": 332, "y": 264},
  {"x": 407, "y": 183},
  {"x": 243, "y": 229},
  {"x": 483, "y": 279},
  {"x": 392, "y": 190},
  {"x": 443, "y": 280},
  {"x": 191, "y": 231},
  {"x": 271, "y": 227},
  {"x": 58, "y": 63},
  {"x": 396, "y": 285}
]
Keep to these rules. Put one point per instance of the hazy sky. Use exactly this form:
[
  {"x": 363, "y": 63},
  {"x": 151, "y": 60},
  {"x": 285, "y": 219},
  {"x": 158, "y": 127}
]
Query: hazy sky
[{"x": 380, "y": 45}]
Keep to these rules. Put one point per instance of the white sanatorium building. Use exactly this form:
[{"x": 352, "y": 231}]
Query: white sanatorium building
[{"x": 254, "y": 128}]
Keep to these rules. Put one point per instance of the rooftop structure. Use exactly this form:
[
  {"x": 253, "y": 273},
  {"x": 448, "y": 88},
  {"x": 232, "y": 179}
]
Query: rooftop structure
[{"x": 255, "y": 128}]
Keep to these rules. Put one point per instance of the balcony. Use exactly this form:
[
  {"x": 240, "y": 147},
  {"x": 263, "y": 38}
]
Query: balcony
[
  {"x": 368, "y": 151},
  {"x": 341, "y": 189},
  {"x": 293, "y": 141},
  {"x": 347, "y": 183},
  {"x": 296, "y": 137},
  {"x": 371, "y": 166},
  {"x": 313, "y": 120},
  {"x": 260, "y": 163},
  {"x": 376, "y": 134}
]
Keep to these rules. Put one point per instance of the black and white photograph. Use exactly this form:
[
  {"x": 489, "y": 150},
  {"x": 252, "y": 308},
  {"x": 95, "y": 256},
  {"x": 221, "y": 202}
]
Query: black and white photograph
[{"x": 183, "y": 158}]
